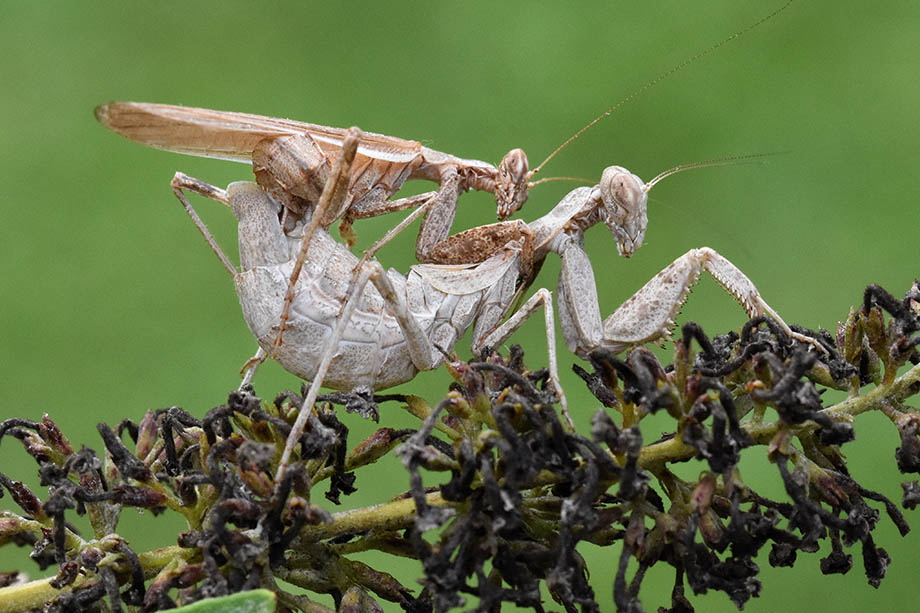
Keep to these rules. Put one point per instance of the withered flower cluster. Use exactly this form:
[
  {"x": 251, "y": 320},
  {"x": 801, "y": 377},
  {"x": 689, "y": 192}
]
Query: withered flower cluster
[{"x": 518, "y": 489}]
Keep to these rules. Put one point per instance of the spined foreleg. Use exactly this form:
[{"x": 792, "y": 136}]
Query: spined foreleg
[{"x": 649, "y": 314}]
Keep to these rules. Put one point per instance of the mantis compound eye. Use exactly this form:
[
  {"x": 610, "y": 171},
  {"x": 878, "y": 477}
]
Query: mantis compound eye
[
  {"x": 513, "y": 174},
  {"x": 625, "y": 200}
]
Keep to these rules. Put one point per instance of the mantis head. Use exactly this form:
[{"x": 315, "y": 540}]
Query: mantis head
[
  {"x": 625, "y": 197},
  {"x": 511, "y": 187}
]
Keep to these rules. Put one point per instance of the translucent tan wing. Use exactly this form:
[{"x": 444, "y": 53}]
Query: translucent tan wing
[
  {"x": 228, "y": 135},
  {"x": 467, "y": 278}
]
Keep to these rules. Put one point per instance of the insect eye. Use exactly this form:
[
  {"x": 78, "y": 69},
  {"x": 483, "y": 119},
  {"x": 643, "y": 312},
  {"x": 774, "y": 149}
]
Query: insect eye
[
  {"x": 515, "y": 165},
  {"x": 621, "y": 189}
]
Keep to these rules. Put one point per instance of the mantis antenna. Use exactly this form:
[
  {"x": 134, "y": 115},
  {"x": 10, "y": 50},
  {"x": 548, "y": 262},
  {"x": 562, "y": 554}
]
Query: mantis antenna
[
  {"x": 661, "y": 77},
  {"x": 726, "y": 161}
]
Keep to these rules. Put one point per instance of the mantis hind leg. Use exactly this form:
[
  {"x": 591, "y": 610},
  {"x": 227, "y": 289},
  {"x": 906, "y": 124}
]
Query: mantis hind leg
[{"x": 334, "y": 191}]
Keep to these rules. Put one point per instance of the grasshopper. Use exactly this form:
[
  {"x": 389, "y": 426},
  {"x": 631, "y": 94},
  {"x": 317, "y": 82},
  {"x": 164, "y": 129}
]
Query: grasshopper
[{"x": 293, "y": 161}]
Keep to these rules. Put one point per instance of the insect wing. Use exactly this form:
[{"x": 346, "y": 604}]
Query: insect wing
[{"x": 229, "y": 135}]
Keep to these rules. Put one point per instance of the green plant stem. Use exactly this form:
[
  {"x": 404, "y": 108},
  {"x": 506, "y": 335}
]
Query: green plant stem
[
  {"x": 653, "y": 457},
  {"x": 34, "y": 594},
  {"x": 394, "y": 515},
  {"x": 400, "y": 514}
]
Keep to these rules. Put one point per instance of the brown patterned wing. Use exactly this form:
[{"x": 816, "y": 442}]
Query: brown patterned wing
[{"x": 229, "y": 135}]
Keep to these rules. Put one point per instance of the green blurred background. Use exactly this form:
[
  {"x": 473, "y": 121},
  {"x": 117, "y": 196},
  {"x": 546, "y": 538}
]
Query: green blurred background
[{"x": 112, "y": 303}]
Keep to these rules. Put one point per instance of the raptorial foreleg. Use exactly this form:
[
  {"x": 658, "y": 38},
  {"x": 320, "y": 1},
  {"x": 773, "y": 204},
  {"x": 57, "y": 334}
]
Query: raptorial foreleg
[
  {"x": 434, "y": 244},
  {"x": 647, "y": 315},
  {"x": 438, "y": 208}
]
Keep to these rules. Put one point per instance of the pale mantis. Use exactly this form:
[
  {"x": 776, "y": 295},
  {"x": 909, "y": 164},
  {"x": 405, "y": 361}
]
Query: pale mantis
[{"x": 292, "y": 160}]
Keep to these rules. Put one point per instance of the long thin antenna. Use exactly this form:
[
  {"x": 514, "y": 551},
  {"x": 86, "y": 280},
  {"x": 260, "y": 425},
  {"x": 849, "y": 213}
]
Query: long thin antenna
[
  {"x": 660, "y": 78},
  {"x": 727, "y": 161},
  {"x": 548, "y": 179}
]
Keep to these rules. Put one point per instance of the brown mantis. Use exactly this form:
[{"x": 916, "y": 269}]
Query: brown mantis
[{"x": 293, "y": 160}]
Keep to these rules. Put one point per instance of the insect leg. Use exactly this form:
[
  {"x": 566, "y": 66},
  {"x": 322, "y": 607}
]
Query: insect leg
[
  {"x": 648, "y": 314},
  {"x": 334, "y": 190},
  {"x": 182, "y": 182},
  {"x": 424, "y": 355},
  {"x": 329, "y": 352},
  {"x": 542, "y": 297}
]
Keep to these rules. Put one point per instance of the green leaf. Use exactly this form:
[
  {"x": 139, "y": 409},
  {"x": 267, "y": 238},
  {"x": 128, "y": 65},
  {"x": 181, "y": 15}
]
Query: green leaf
[{"x": 255, "y": 601}]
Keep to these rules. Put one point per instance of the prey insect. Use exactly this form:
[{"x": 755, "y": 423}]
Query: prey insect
[
  {"x": 380, "y": 329},
  {"x": 293, "y": 161}
]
